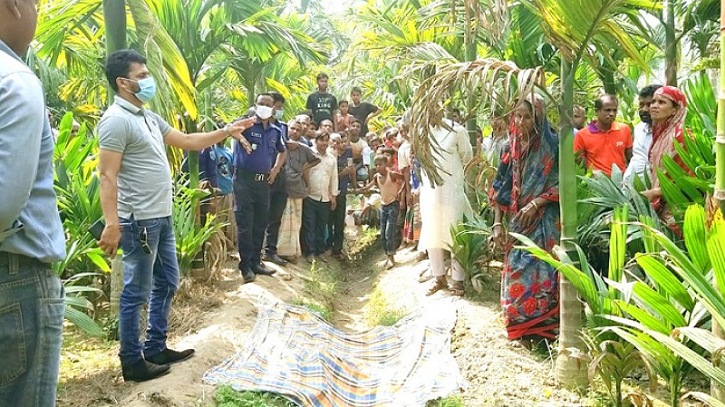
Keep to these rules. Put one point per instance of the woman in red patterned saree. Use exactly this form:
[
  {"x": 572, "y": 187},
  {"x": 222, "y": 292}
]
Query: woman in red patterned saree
[{"x": 527, "y": 188}]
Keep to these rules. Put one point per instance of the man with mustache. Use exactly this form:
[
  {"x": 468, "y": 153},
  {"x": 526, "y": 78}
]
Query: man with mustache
[
  {"x": 604, "y": 143},
  {"x": 642, "y": 135}
]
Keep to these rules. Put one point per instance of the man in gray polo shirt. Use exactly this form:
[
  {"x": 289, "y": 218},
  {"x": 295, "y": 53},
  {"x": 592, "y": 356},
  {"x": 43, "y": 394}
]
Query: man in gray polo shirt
[{"x": 136, "y": 194}]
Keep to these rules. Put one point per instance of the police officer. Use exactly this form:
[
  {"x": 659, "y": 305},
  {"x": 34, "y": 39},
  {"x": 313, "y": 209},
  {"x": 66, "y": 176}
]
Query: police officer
[{"x": 255, "y": 170}]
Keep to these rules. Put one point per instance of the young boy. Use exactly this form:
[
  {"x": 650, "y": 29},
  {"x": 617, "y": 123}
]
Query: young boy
[
  {"x": 392, "y": 157},
  {"x": 390, "y": 185},
  {"x": 343, "y": 118}
]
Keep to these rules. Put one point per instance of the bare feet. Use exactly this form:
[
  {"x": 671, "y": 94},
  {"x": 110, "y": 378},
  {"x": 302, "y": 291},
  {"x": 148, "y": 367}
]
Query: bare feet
[{"x": 390, "y": 262}]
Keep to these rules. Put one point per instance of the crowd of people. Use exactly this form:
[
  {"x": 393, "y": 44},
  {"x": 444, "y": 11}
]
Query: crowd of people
[{"x": 287, "y": 186}]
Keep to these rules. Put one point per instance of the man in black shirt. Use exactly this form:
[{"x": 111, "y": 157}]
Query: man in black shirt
[
  {"x": 321, "y": 104},
  {"x": 362, "y": 111}
]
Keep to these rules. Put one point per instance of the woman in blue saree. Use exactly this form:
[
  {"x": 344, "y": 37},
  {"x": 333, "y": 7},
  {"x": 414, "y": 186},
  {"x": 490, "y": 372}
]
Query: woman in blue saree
[{"x": 526, "y": 189}]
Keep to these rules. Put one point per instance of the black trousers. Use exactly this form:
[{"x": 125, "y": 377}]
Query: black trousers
[
  {"x": 251, "y": 211},
  {"x": 277, "y": 204},
  {"x": 336, "y": 225},
  {"x": 314, "y": 222}
]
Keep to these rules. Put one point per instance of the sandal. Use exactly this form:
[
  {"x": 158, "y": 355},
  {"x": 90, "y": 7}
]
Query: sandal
[
  {"x": 458, "y": 289},
  {"x": 425, "y": 277},
  {"x": 440, "y": 283}
]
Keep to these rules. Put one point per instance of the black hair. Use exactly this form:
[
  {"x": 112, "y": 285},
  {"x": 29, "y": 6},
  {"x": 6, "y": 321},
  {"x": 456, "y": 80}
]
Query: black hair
[
  {"x": 343, "y": 101},
  {"x": 355, "y": 120},
  {"x": 356, "y": 90},
  {"x": 322, "y": 75},
  {"x": 119, "y": 63},
  {"x": 649, "y": 91},
  {"x": 277, "y": 97},
  {"x": 599, "y": 102},
  {"x": 264, "y": 94}
]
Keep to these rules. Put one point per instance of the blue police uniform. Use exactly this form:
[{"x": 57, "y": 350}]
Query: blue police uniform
[{"x": 251, "y": 189}]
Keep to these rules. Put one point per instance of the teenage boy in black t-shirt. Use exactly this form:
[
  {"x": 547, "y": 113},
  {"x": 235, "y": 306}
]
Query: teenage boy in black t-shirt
[
  {"x": 362, "y": 111},
  {"x": 321, "y": 104}
]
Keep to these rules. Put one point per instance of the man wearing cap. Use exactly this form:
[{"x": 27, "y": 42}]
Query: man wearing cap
[{"x": 256, "y": 168}]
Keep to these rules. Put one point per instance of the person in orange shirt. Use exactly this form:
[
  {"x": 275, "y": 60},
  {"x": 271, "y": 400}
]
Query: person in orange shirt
[{"x": 604, "y": 142}]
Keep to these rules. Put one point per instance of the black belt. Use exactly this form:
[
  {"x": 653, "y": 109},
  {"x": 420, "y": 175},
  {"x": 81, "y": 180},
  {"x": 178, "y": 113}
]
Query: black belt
[{"x": 253, "y": 176}]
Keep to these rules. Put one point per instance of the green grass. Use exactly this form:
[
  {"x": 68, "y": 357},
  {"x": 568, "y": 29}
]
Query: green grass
[
  {"x": 82, "y": 354},
  {"x": 225, "y": 396},
  {"x": 380, "y": 312},
  {"x": 366, "y": 240},
  {"x": 323, "y": 311},
  {"x": 450, "y": 401},
  {"x": 390, "y": 318},
  {"x": 322, "y": 279}
]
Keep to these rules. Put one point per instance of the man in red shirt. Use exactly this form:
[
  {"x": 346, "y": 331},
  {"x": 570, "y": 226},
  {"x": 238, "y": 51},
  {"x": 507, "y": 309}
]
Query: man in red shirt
[{"x": 604, "y": 142}]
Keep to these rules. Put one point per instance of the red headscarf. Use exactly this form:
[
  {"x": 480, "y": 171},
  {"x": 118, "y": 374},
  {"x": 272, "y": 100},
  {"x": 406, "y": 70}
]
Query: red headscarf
[{"x": 665, "y": 134}]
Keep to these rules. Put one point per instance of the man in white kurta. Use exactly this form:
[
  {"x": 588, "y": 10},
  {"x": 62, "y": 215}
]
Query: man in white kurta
[{"x": 444, "y": 206}]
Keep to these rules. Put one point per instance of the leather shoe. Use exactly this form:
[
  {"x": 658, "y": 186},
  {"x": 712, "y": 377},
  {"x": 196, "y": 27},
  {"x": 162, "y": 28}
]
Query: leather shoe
[
  {"x": 248, "y": 275},
  {"x": 169, "y": 356},
  {"x": 261, "y": 269},
  {"x": 143, "y": 370},
  {"x": 274, "y": 258}
]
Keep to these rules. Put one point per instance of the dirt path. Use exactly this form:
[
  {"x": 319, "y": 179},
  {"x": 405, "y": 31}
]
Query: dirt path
[{"x": 499, "y": 374}]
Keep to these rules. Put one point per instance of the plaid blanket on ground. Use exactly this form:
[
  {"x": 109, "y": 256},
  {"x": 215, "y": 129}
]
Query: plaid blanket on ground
[{"x": 295, "y": 353}]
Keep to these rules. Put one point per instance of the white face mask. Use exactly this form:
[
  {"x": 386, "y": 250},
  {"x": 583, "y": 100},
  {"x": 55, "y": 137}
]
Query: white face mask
[{"x": 263, "y": 112}]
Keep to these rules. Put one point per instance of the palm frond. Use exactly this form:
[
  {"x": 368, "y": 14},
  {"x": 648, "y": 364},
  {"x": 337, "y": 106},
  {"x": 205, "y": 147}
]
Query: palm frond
[
  {"x": 165, "y": 60},
  {"x": 485, "y": 78},
  {"x": 585, "y": 28}
]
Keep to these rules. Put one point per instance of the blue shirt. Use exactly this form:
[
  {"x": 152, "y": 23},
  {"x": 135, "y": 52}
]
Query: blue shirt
[
  {"x": 341, "y": 165},
  {"x": 207, "y": 167},
  {"x": 283, "y": 126},
  {"x": 222, "y": 170},
  {"x": 266, "y": 143},
  {"x": 29, "y": 221}
]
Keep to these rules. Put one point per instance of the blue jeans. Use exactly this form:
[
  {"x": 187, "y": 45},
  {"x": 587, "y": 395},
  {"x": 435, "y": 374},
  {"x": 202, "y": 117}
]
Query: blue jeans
[
  {"x": 31, "y": 323},
  {"x": 389, "y": 226},
  {"x": 150, "y": 268}
]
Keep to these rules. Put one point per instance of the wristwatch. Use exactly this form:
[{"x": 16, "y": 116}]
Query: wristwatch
[{"x": 226, "y": 129}]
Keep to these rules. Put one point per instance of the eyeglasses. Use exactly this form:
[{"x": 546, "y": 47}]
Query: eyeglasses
[{"x": 143, "y": 237}]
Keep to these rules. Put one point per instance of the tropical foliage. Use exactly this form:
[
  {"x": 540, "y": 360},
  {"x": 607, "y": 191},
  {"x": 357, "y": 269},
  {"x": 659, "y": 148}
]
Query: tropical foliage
[
  {"x": 210, "y": 58},
  {"x": 662, "y": 302}
]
